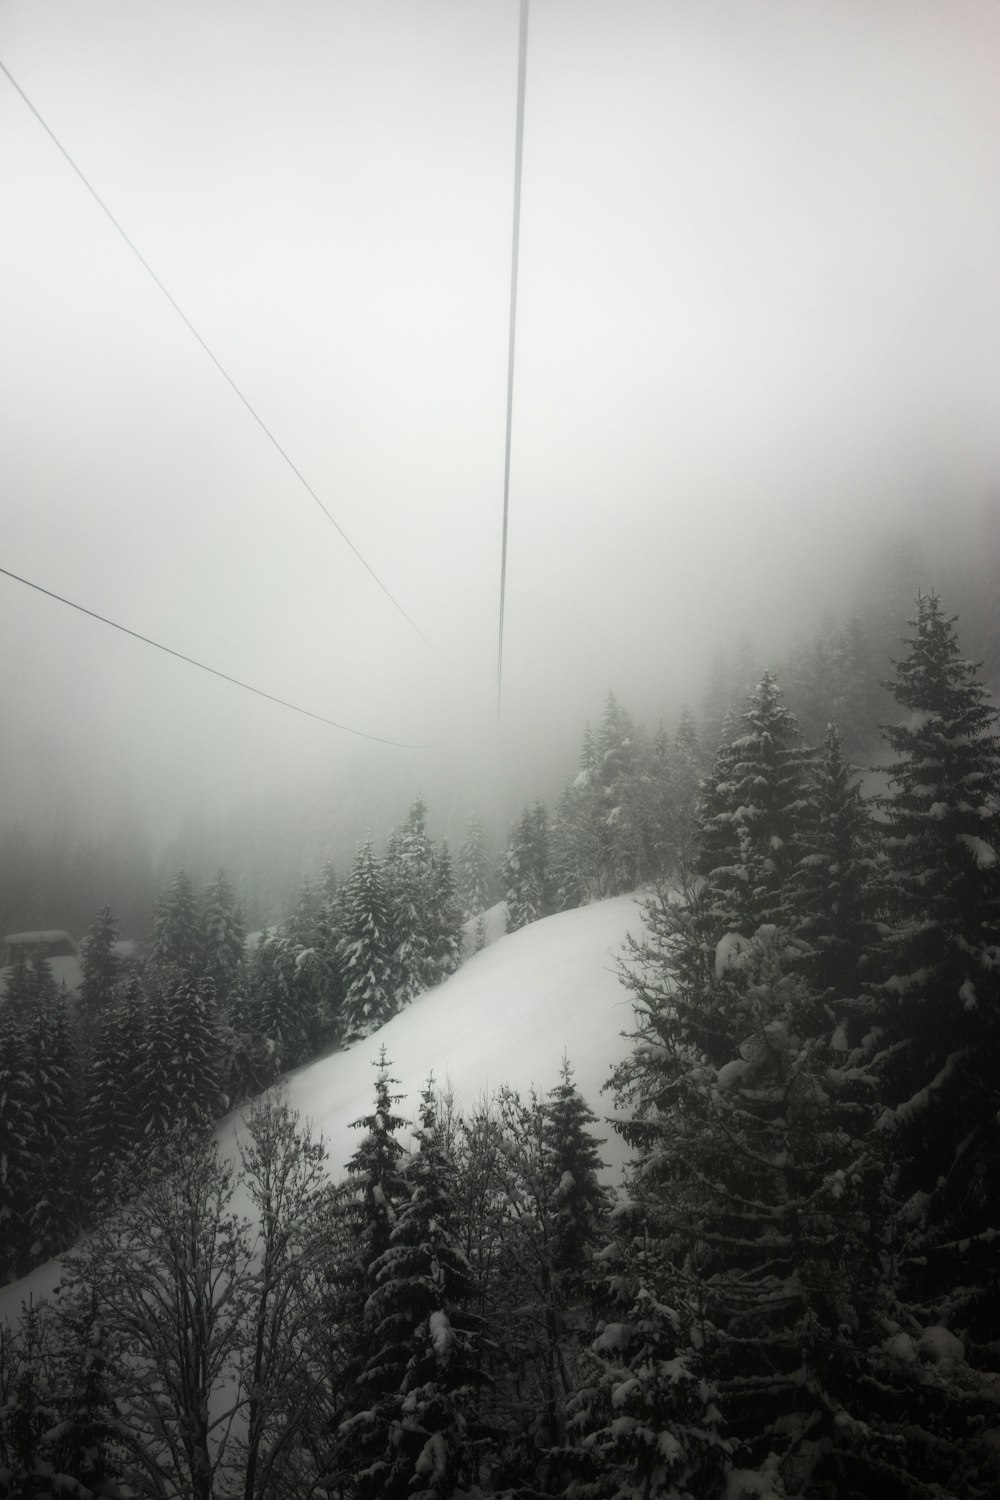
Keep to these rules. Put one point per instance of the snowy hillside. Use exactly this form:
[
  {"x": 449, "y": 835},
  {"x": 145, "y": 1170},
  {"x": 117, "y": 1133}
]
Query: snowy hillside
[{"x": 507, "y": 1016}]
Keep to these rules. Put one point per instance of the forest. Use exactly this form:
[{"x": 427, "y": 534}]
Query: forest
[{"x": 795, "y": 1291}]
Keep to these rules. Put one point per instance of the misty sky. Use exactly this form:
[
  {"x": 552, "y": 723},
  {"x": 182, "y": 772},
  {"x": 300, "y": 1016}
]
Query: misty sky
[{"x": 759, "y": 317}]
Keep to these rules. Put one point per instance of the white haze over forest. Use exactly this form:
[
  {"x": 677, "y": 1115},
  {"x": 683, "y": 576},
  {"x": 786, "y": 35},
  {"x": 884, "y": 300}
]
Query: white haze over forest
[{"x": 759, "y": 324}]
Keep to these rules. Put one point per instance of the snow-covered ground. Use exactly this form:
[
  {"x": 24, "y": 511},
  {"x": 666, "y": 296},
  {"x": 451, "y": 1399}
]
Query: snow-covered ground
[{"x": 507, "y": 1016}]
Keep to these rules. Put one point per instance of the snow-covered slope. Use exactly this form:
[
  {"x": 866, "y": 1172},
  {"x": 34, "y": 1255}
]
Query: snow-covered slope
[{"x": 507, "y": 1016}]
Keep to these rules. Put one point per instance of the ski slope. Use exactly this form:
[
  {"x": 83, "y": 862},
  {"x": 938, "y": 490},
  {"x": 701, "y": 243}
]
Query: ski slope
[{"x": 506, "y": 1017}]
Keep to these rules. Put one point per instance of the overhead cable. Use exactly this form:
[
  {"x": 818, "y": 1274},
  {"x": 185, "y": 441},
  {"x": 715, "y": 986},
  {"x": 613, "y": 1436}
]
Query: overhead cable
[
  {"x": 213, "y": 357},
  {"x": 246, "y": 686},
  {"x": 522, "y": 67}
]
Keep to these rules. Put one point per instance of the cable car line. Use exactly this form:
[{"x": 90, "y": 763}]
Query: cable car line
[
  {"x": 246, "y": 686},
  {"x": 522, "y": 66},
  {"x": 212, "y": 356}
]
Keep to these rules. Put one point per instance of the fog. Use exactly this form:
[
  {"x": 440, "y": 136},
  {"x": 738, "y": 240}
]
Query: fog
[{"x": 758, "y": 328}]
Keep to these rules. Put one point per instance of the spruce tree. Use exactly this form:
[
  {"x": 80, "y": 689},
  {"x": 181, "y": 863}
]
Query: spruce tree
[
  {"x": 114, "y": 1105},
  {"x": 16, "y": 1109},
  {"x": 177, "y": 936},
  {"x": 525, "y": 869},
  {"x": 423, "y": 1363},
  {"x": 366, "y": 1210},
  {"x": 831, "y": 894},
  {"x": 52, "y": 1160},
  {"x": 222, "y": 935},
  {"x": 445, "y": 916},
  {"x": 195, "y": 1062},
  {"x": 579, "y": 1202},
  {"x": 410, "y": 896},
  {"x": 473, "y": 871},
  {"x": 750, "y": 815},
  {"x": 937, "y": 1009},
  {"x": 99, "y": 965},
  {"x": 366, "y": 950},
  {"x": 757, "y": 1220}
]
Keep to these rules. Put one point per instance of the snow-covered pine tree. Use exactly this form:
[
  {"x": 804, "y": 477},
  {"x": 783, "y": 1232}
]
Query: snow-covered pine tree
[
  {"x": 99, "y": 965},
  {"x": 302, "y": 927},
  {"x": 177, "y": 935},
  {"x": 750, "y": 815},
  {"x": 424, "y": 1365},
  {"x": 366, "y": 1207},
  {"x": 572, "y": 862},
  {"x": 279, "y": 1004},
  {"x": 222, "y": 935},
  {"x": 365, "y": 950},
  {"x": 51, "y": 1154},
  {"x": 579, "y": 1202},
  {"x": 623, "y": 804},
  {"x": 156, "y": 1069},
  {"x": 195, "y": 1040},
  {"x": 937, "y": 1009},
  {"x": 410, "y": 897},
  {"x": 446, "y": 915},
  {"x": 752, "y": 1244},
  {"x": 16, "y": 1109},
  {"x": 473, "y": 871},
  {"x": 114, "y": 1106},
  {"x": 525, "y": 871},
  {"x": 831, "y": 898}
]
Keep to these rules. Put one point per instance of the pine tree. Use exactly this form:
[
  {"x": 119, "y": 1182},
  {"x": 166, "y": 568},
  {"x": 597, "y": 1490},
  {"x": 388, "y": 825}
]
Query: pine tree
[
  {"x": 750, "y": 814},
  {"x": 177, "y": 937},
  {"x": 99, "y": 964},
  {"x": 757, "y": 1219},
  {"x": 423, "y": 1362},
  {"x": 937, "y": 1010},
  {"x": 50, "y": 1062},
  {"x": 195, "y": 1041},
  {"x": 156, "y": 1065},
  {"x": 222, "y": 935},
  {"x": 366, "y": 1210},
  {"x": 473, "y": 871},
  {"x": 525, "y": 869},
  {"x": 445, "y": 915},
  {"x": 278, "y": 1003},
  {"x": 366, "y": 950},
  {"x": 410, "y": 896},
  {"x": 831, "y": 895},
  {"x": 16, "y": 1109},
  {"x": 579, "y": 1202},
  {"x": 114, "y": 1106},
  {"x": 621, "y": 781}
]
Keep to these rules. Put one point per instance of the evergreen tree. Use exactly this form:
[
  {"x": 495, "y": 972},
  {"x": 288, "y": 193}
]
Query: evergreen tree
[
  {"x": 222, "y": 935},
  {"x": 410, "y": 894},
  {"x": 423, "y": 1362},
  {"x": 621, "y": 781},
  {"x": 114, "y": 1108},
  {"x": 937, "y": 1010},
  {"x": 473, "y": 871},
  {"x": 525, "y": 869},
  {"x": 831, "y": 895},
  {"x": 51, "y": 1158},
  {"x": 579, "y": 1202},
  {"x": 757, "y": 1220},
  {"x": 366, "y": 1209},
  {"x": 366, "y": 950},
  {"x": 750, "y": 814},
  {"x": 99, "y": 964},
  {"x": 16, "y": 1108},
  {"x": 195, "y": 1040},
  {"x": 177, "y": 936},
  {"x": 446, "y": 916},
  {"x": 156, "y": 1066}
]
